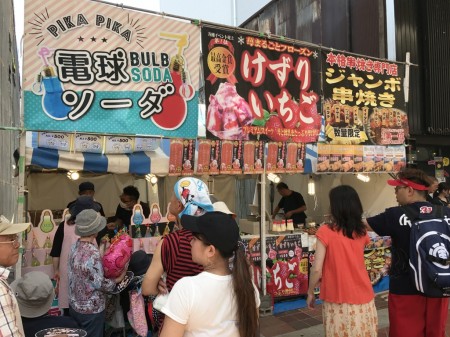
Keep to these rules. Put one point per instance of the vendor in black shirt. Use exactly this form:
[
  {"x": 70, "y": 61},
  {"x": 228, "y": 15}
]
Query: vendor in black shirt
[
  {"x": 292, "y": 203},
  {"x": 124, "y": 211}
]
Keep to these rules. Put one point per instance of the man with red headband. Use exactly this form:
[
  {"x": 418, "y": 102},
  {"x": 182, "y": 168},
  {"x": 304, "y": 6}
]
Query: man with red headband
[{"x": 411, "y": 313}]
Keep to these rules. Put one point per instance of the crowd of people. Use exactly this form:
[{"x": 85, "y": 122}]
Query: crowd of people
[{"x": 199, "y": 273}]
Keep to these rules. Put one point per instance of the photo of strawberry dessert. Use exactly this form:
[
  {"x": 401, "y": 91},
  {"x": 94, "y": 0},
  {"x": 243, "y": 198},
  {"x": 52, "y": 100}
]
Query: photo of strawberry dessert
[{"x": 228, "y": 113}]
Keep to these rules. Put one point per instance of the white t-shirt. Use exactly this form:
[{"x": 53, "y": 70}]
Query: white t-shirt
[{"x": 206, "y": 304}]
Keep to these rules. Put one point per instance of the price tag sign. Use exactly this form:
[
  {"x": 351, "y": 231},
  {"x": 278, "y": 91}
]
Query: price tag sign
[
  {"x": 88, "y": 143},
  {"x": 119, "y": 144},
  {"x": 146, "y": 144},
  {"x": 53, "y": 140}
]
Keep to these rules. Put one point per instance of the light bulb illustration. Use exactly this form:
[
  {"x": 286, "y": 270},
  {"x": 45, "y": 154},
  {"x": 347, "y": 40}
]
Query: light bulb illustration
[
  {"x": 46, "y": 224},
  {"x": 34, "y": 260},
  {"x": 156, "y": 231},
  {"x": 138, "y": 232},
  {"x": 148, "y": 231},
  {"x": 35, "y": 243},
  {"x": 137, "y": 219},
  {"x": 48, "y": 242},
  {"x": 166, "y": 230},
  {"x": 155, "y": 216},
  {"x": 52, "y": 102},
  {"x": 48, "y": 259},
  {"x": 141, "y": 244}
]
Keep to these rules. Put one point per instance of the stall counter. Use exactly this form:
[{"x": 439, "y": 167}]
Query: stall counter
[{"x": 290, "y": 256}]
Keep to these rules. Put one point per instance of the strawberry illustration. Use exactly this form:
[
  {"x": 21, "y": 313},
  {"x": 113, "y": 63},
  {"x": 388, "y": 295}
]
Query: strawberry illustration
[
  {"x": 275, "y": 128},
  {"x": 290, "y": 114},
  {"x": 270, "y": 284},
  {"x": 295, "y": 286},
  {"x": 284, "y": 270}
]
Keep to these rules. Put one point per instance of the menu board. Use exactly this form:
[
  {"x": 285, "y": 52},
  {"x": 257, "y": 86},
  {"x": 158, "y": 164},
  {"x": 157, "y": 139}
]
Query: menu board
[
  {"x": 348, "y": 153},
  {"x": 295, "y": 155},
  {"x": 323, "y": 157},
  {"x": 146, "y": 144},
  {"x": 176, "y": 157},
  {"x": 88, "y": 143},
  {"x": 253, "y": 157},
  {"x": 204, "y": 153},
  {"x": 359, "y": 158},
  {"x": 188, "y": 158},
  {"x": 363, "y": 100},
  {"x": 53, "y": 140},
  {"x": 276, "y": 157},
  {"x": 369, "y": 158},
  {"x": 119, "y": 144},
  {"x": 182, "y": 157},
  {"x": 226, "y": 156}
]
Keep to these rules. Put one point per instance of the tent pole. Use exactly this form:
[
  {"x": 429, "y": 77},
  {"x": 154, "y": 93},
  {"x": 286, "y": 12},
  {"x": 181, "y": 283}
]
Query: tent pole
[
  {"x": 21, "y": 210},
  {"x": 263, "y": 230}
]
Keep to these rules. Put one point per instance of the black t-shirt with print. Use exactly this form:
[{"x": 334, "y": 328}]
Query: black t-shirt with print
[{"x": 394, "y": 223}]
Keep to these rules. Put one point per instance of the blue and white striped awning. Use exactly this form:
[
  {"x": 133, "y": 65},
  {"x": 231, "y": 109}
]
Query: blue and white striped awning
[{"x": 141, "y": 163}]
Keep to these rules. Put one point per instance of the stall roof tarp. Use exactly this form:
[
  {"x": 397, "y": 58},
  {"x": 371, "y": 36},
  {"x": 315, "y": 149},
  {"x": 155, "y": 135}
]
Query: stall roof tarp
[{"x": 141, "y": 163}]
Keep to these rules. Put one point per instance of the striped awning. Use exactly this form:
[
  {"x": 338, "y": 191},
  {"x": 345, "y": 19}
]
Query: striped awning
[{"x": 140, "y": 163}]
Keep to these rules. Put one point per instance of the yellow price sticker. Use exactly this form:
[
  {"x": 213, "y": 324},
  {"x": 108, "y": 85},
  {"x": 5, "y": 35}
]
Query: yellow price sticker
[{"x": 445, "y": 161}]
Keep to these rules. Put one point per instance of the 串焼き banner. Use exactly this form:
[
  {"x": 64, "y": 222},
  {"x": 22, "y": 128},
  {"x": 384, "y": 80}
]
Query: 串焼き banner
[
  {"x": 260, "y": 87},
  {"x": 94, "y": 67},
  {"x": 363, "y": 100}
]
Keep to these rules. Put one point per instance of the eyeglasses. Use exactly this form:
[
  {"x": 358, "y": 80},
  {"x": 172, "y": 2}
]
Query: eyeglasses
[{"x": 14, "y": 241}]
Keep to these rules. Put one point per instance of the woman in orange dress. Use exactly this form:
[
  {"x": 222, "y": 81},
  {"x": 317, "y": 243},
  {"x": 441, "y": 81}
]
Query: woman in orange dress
[{"x": 348, "y": 308}]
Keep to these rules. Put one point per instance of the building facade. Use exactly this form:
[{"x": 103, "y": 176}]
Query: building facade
[{"x": 9, "y": 110}]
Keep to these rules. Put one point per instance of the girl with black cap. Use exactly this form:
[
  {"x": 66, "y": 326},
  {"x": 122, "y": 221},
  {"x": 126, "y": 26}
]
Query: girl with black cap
[{"x": 220, "y": 301}]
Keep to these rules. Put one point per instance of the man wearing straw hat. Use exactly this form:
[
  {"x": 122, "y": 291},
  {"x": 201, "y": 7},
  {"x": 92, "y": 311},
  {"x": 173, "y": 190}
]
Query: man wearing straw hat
[{"x": 10, "y": 320}]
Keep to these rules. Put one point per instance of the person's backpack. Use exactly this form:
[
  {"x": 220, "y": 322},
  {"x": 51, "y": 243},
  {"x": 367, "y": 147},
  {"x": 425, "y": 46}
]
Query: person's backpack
[{"x": 429, "y": 251}]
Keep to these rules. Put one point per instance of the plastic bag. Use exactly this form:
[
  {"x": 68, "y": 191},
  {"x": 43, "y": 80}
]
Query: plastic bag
[
  {"x": 114, "y": 312},
  {"x": 136, "y": 315}
]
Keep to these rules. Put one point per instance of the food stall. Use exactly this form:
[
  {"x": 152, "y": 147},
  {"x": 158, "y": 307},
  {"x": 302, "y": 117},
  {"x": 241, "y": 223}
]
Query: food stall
[
  {"x": 264, "y": 113},
  {"x": 100, "y": 111}
]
